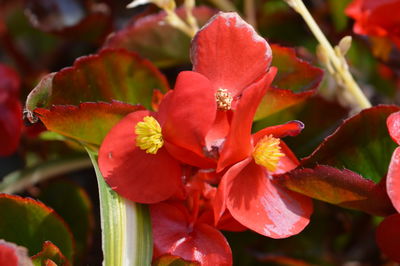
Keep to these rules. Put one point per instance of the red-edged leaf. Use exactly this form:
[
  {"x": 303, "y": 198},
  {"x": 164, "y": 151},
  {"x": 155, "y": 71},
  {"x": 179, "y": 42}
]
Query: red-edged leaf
[
  {"x": 70, "y": 18},
  {"x": 226, "y": 46},
  {"x": 154, "y": 39},
  {"x": 30, "y": 223},
  {"x": 50, "y": 253},
  {"x": 76, "y": 204},
  {"x": 169, "y": 260},
  {"x": 339, "y": 187},
  {"x": 13, "y": 255},
  {"x": 109, "y": 75},
  {"x": 88, "y": 122},
  {"x": 388, "y": 236},
  {"x": 173, "y": 234},
  {"x": 361, "y": 144},
  {"x": 295, "y": 81}
]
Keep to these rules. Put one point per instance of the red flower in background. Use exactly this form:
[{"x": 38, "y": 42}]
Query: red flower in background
[
  {"x": 10, "y": 111},
  {"x": 13, "y": 255},
  {"x": 376, "y": 18}
]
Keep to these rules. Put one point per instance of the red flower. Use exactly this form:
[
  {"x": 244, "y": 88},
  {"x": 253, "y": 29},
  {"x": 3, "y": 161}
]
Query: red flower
[
  {"x": 234, "y": 58},
  {"x": 13, "y": 255},
  {"x": 247, "y": 190},
  {"x": 376, "y": 18},
  {"x": 10, "y": 111},
  {"x": 135, "y": 157},
  {"x": 175, "y": 232},
  {"x": 388, "y": 232}
]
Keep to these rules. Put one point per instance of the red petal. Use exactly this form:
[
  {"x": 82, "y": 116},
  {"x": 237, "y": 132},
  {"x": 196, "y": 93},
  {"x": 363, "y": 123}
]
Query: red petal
[
  {"x": 287, "y": 162},
  {"x": 13, "y": 255},
  {"x": 393, "y": 179},
  {"x": 393, "y": 124},
  {"x": 264, "y": 207},
  {"x": 10, "y": 126},
  {"x": 388, "y": 237},
  {"x": 292, "y": 128},
  {"x": 227, "y": 46},
  {"x": 130, "y": 171},
  {"x": 191, "y": 111},
  {"x": 238, "y": 142},
  {"x": 173, "y": 235},
  {"x": 9, "y": 83}
]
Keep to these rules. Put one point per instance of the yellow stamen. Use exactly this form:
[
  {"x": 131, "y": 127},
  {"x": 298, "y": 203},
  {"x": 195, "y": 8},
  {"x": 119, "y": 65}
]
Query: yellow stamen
[
  {"x": 268, "y": 152},
  {"x": 224, "y": 99},
  {"x": 148, "y": 135}
]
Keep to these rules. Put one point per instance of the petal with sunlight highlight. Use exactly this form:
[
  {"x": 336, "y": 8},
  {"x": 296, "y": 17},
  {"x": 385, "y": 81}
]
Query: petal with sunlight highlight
[
  {"x": 393, "y": 179},
  {"x": 173, "y": 234},
  {"x": 133, "y": 173},
  {"x": 191, "y": 111},
  {"x": 393, "y": 124},
  {"x": 226, "y": 46},
  {"x": 238, "y": 142},
  {"x": 264, "y": 207}
]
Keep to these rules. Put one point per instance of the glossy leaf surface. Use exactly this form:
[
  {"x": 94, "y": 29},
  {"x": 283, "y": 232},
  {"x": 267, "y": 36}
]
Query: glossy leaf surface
[
  {"x": 157, "y": 41},
  {"x": 295, "y": 81},
  {"x": 30, "y": 223},
  {"x": 70, "y": 202}
]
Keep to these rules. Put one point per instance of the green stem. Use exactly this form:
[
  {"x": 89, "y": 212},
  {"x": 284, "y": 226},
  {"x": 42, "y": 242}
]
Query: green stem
[
  {"x": 18, "y": 181},
  {"x": 126, "y": 226},
  {"x": 339, "y": 64}
]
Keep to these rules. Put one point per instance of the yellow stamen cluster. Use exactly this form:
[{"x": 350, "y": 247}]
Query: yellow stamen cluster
[
  {"x": 268, "y": 152},
  {"x": 148, "y": 135},
  {"x": 224, "y": 99}
]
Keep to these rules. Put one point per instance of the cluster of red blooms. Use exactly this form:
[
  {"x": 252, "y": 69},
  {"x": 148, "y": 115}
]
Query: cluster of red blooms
[
  {"x": 195, "y": 160},
  {"x": 374, "y": 18}
]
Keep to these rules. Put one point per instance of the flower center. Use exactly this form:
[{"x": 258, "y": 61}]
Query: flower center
[
  {"x": 268, "y": 152},
  {"x": 224, "y": 99},
  {"x": 148, "y": 135}
]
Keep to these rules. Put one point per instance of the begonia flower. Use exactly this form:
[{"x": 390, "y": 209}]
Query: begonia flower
[
  {"x": 234, "y": 58},
  {"x": 177, "y": 232},
  {"x": 135, "y": 156},
  {"x": 13, "y": 255},
  {"x": 247, "y": 190},
  {"x": 376, "y": 18}
]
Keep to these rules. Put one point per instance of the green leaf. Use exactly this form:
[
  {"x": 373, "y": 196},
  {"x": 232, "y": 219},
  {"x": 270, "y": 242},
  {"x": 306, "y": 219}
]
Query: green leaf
[
  {"x": 295, "y": 81},
  {"x": 361, "y": 144},
  {"x": 87, "y": 123},
  {"x": 50, "y": 253},
  {"x": 30, "y": 223},
  {"x": 340, "y": 187},
  {"x": 73, "y": 204},
  {"x": 157, "y": 41},
  {"x": 126, "y": 226},
  {"x": 106, "y": 76},
  {"x": 18, "y": 181}
]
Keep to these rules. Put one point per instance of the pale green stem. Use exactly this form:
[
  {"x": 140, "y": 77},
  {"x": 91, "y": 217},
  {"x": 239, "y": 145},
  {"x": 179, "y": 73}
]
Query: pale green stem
[
  {"x": 339, "y": 64},
  {"x": 250, "y": 11},
  {"x": 126, "y": 227},
  {"x": 18, "y": 181}
]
